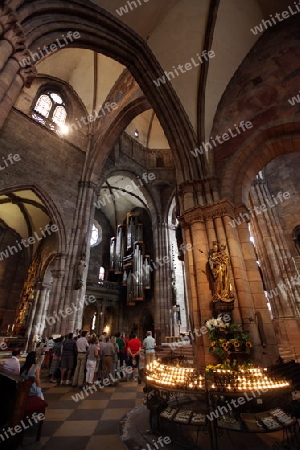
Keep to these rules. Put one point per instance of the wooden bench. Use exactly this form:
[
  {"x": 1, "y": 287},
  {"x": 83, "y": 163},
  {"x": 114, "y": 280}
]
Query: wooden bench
[{"x": 16, "y": 407}]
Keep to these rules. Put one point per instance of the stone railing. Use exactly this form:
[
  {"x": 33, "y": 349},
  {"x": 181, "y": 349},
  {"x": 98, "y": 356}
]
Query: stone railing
[{"x": 103, "y": 285}]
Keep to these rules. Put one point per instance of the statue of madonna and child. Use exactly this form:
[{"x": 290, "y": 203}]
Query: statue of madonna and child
[{"x": 218, "y": 261}]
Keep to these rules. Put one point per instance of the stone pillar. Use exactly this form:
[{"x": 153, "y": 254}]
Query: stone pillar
[
  {"x": 202, "y": 225},
  {"x": 65, "y": 271},
  {"x": 280, "y": 276},
  {"x": 56, "y": 299},
  {"x": 32, "y": 315},
  {"x": 274, "y": 255},
  {"x": 80, "y": 251},
  {"x": 47, "y": 329},
  {"x": 38, "y": 321},
  {"x": 267, "y": 352},
  {"x": 14, "y": 74},
  {"x": 162, "y": 282}
]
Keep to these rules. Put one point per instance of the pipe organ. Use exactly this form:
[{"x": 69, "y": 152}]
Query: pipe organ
[{"x": 127, "y": 257}]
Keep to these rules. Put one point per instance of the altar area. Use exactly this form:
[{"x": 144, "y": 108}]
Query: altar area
[{"x": 232, "y": 394}]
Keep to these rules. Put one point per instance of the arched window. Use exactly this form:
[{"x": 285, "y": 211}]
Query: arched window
[
  {"x": 101, "y": 273},
  {"x": 59, "y": 115},
  {"x": 43, "y": 105},
  {"x": 49, "y": 110},
  {"x": 96, "y": 236}
]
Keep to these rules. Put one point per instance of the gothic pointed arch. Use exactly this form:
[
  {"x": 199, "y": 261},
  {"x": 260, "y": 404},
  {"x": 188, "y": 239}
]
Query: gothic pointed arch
[
  {"x": 101, "y": 32},
  {"x": 47, "y": 205}
]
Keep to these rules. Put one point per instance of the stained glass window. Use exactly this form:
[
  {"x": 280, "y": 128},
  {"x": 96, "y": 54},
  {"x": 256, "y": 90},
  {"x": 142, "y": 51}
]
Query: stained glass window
[
  {"x": 101, "y": 273},
  {"x": 56, "y": 98},
  {"x": 43, "y": 105},
  {"x": 51, "y": 106},
  {"x": 59, "y": 115},
  {"x": 94, "y": 236}
]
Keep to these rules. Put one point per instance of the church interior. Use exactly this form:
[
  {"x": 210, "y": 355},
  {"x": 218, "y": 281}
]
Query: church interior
[{"x": 149, "y": 181}]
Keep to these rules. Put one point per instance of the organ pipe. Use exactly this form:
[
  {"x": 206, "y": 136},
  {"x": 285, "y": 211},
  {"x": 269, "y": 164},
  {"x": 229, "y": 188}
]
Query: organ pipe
[{"x": 127, "y": 258}]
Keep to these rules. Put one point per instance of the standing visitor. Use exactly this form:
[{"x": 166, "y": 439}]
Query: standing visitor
[
  {"x": 149, "y": 347},
  {"x": 56, "y": 355},
  {"x": 107, "y": 358},
  {"x": 134, "y": 350},
  {"x": 69, "y": 352},
  {"x": 48, "y": 350},
  {"x": 41, "y": 352},
  {"x": 121, "y": 345},
  {"x": 82, "y": 346},
  {"x": 92, "y": 356},
  {"x": 116, "y": 347},
  {"x": 126, "y": 340}
]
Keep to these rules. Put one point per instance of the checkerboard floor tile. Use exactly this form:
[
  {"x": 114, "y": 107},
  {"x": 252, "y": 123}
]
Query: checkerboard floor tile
[{"x": 79, "y": 419}]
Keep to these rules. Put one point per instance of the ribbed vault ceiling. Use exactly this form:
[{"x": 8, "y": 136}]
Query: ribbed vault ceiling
[
  {"x": 24, "y": 212},
  {"x": 175, "y": 30}
]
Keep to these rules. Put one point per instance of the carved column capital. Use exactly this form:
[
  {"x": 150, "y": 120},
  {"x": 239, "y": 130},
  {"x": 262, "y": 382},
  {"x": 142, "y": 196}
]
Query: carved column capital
[
  {"x": 28, "y": 74},
  {"x": 243, "y": 212},
  {"x": 8, "y": 19},
  {"x": 209, "y": 212},
  {"x": 15, "y": 37},
  {"x": 185, "y": 187},
  {"x": 13, "y": 33},
  {"x": 56, "y": 273}
]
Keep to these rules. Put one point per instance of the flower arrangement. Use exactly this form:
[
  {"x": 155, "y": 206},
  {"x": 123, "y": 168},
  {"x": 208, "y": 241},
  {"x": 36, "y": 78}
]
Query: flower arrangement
[
  {"x": 216, "y": 323},
  {"x": 226, "y": 338},
  {"x": 227, "y": 366}
]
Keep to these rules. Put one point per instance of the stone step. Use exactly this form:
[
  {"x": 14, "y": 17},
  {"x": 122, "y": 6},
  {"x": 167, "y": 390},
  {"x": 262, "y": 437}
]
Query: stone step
[
  {"x": 165, "y": 350},
  {"x": 289, "y": 370},
  {"x": 288, "y": 353}
]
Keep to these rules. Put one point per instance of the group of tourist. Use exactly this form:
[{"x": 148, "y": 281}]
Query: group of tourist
[{"x": 83, "y": 358}]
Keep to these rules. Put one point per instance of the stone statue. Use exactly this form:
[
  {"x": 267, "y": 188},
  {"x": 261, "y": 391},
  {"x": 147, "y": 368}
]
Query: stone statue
[
  {"x": 80, "y": 274},
  {"x": 81, "y": 269},
  {"x": 219, "y": 264}
]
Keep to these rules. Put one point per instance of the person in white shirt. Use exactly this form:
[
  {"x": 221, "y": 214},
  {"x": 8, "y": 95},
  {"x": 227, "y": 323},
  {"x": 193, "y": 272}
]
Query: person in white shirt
[
  {"x": 50, "y": 343},
  {"x": 82, "y": 346},
  {"x": 41, "y": 352},
  {"x": 149, "y": 347},
  {"x": 13, "y": 364}
]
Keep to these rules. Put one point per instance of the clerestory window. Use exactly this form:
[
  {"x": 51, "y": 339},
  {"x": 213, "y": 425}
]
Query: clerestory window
[{"x": 49, "y": 110}]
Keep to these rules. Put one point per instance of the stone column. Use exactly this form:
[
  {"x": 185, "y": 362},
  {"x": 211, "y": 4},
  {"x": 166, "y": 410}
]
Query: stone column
[
  {"x": 14, "y": 74},
  {"x": 162, "y": 282},
  {"x": 267, "y": 352},
  {"x": 80, "y": 251},
  {"x": 65, "y": 270},
  {"x": 56, "y": 299},
  {"x": 37, "y": 327},
  {"x": 29, "y": 329},
  {"x": 201, "y": 225},
  {"x": 47, "y": 329},
  {"x": 276, "y": 259},
  {"x": 280, "y": 276}
]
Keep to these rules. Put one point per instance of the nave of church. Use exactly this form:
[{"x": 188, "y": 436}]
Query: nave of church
[{"x": 149, "y": 191}]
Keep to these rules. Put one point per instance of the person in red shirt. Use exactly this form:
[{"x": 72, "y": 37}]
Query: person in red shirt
[{"x": 134, "y": 349}]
